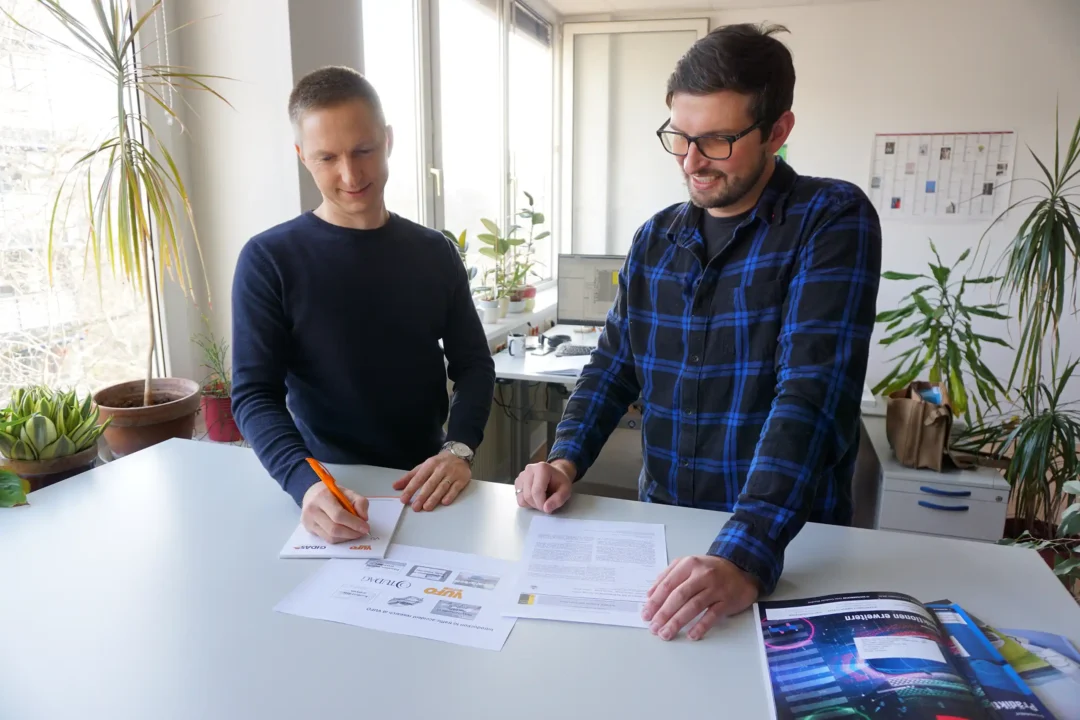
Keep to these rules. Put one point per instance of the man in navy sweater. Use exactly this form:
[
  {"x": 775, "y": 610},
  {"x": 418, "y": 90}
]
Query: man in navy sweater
[{"x": 337, "y": 318}]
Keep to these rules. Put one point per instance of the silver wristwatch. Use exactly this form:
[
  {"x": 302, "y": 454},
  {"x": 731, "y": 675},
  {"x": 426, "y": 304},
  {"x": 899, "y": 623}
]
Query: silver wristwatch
[{"x": 461, "y": 450}]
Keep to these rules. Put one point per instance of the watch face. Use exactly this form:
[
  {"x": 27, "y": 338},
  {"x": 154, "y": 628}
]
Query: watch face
[{"x": 460, "y": 449}]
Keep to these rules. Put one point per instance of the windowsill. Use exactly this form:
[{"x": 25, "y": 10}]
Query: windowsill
[{"x": 544, "y": 311}]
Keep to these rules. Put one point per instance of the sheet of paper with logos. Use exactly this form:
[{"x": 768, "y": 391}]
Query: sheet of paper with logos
[
  {"x": 433, "y": 594},
  {"x": 592, "y": 571},
  {"x": 383, "y": 517}
]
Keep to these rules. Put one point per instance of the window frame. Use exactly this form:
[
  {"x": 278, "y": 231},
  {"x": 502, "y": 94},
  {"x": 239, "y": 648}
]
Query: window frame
[
  {"x": 570, "y": 31},
  {"x": 430, "y": 132},
  {"x": 161, "y": 358}
]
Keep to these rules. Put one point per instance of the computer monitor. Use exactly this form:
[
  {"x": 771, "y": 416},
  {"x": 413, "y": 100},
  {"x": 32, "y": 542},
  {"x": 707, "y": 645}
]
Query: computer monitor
[{"x": 587, "y": 288}]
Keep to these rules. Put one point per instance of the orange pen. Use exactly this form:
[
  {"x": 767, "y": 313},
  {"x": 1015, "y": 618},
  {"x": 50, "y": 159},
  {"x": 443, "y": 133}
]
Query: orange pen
[{"x": 328, "y": 480}]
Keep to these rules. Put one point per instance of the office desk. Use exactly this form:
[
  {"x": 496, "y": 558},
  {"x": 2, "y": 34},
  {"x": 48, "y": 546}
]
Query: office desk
[
  {"x": 144, "y": 589},
  {"x": 515, "y": 370}
]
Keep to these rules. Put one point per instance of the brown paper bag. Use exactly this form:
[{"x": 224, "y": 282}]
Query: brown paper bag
[{"x": 919, "y": 430}]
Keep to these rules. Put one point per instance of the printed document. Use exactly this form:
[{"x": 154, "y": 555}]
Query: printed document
[
  {"x": 587, "y": 571},
  {"x": 383, "y": 516},
  {"x": 433, "y": 594}
]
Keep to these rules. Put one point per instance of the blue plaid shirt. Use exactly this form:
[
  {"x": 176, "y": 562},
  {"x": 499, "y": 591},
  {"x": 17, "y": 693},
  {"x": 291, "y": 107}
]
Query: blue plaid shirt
[{"x": 750, "y": 365}]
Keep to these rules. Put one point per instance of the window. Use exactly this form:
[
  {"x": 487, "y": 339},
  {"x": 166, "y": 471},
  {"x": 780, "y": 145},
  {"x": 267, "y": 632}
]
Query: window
[
  {"x": 615, "y": 174},
  {"x": 468, "y": 108},
  {"x": 390, "y": 63},
  {"x": 468, "y": 87},
  {"x": 530, "y": 141},
  {"x": 68, "y": 335}
]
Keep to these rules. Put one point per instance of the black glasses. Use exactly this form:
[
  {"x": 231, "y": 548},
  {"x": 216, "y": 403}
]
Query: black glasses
[{"x": 713, "y": 146}]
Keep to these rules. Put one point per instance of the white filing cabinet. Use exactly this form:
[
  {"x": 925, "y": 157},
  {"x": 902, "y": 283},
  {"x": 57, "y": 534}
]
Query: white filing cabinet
[{"x": 968, "y": 504}]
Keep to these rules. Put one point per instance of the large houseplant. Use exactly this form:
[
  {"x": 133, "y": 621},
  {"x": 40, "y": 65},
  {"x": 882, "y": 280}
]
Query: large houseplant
[
  {"x": 1040, "y": 441},
  {"x": 131, "y": 188},
  {"x": 47, "y": 435},
  {"x": 947, "y": 350}
]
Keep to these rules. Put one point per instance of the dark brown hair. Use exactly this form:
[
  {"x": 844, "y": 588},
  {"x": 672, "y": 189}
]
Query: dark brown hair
[
  {"x": 330, "y": 86},
  {"x": 746, "y": 59}
]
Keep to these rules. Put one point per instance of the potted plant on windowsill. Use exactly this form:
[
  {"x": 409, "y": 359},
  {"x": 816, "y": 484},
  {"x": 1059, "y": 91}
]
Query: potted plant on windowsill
[
  {"x": 130, "y": 187},
  {"x": 461, "y": 244},
  {"x": 498, "y": 249},
  {"x": 527, "y": 291},
  {"x": 487, "y": 303},
  {"x": 48, "y": 436},
  {"x": 216, "y": 402}
]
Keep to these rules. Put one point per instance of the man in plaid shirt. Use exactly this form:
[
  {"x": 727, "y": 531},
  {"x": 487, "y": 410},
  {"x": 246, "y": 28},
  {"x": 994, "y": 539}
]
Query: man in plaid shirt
[{"x": 743, "y": 320}]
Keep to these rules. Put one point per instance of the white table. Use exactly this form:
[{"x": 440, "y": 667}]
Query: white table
[{"x": 144, "y": 589}]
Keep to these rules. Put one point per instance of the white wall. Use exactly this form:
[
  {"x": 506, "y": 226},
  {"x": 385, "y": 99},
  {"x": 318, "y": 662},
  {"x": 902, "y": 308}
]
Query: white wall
[
  {"x": 621, "y": 174},
  {"x": 242, "y": 174},
  {"x": 327, "y": 32},
  {"x": 925, "y": 66}
]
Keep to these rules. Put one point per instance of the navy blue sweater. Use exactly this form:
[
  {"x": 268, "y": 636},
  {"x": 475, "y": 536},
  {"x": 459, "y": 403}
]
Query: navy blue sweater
[{"x": 345, "y": 326}]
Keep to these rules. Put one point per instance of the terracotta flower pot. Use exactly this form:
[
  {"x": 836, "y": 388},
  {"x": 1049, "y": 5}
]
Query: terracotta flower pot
[
  {"x": 217, "y": 414},
  {"x": 135, "y": 427},
  {"x": 42, "y": 473}
]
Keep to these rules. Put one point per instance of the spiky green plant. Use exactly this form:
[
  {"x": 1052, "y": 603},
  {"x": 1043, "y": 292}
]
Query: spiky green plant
[
  {"x": 43, "y": 424},
  {"x": 129, "y": 181},
  {"x": 1041, "y": 262}
]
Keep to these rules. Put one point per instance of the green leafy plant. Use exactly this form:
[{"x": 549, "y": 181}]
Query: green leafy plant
[
  {"x": 948, "y": 349},
  {"x": 129, "y": 180},
  {"x": 1043, "y": 471},
  {"x": 218, "y": 382},
  {"x": 461, "y": 242},
  {"x": 498, "y": 248},
  {"x": 13, "y": 489},
  {"x": 1039, "y": 271},
  {"x": 42, "y": 424},
  {"x": 524, "y": 260},
  {"x": 1063, "y": 547},
  {"x": 1040, "y": 264}
]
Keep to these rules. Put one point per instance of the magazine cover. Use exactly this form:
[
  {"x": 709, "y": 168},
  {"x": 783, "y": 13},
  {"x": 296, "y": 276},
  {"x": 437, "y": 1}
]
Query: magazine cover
[
  {"x": 1052, "y": 672},
  {"x": 1049, "y": 664},
  {"x": 877, "y": 656},
  {"x": 984, "y": 666}
]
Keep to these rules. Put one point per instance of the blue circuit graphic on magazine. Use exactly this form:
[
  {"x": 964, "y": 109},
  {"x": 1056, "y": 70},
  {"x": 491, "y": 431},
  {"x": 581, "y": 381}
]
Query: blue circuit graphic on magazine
[{"x": 871, "y": 656}]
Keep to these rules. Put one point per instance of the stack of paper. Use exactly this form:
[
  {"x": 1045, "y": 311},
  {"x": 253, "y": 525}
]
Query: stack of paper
[
  {"x": 383, "y": 517},
  {"x": 433, "y": 594},
  {"x": 587, "y": 571}
]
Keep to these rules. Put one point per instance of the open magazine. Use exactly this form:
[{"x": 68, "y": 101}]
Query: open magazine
[{"x": 886, "y": 655}]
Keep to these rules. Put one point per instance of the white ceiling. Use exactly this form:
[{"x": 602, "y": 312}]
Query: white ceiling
[{"x": 583, "y": 7}]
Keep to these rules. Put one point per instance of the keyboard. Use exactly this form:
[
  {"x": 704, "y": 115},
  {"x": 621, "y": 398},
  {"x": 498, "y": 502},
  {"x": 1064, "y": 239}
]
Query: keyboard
[{"x": 568, "y": 349}]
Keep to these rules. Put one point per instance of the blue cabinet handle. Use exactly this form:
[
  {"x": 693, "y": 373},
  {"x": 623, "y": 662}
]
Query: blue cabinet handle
[
  {"x": 945, "y": 493},
  {"x": 950, "y": 508}
]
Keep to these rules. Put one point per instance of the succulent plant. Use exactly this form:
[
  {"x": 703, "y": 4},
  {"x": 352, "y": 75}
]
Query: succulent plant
[{"x": 44, "y": 424}]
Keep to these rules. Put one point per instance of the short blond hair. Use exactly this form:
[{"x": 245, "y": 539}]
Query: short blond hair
[{"x": 330, "y": 86}]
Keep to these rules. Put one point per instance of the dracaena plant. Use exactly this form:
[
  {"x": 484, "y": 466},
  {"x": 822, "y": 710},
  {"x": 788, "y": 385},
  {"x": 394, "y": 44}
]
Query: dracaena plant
[
  {"x": 1040, "y": 444},
  {"x": 135, "y": 197},
  {"x": 1041, "y": 261},
  {"x": 947, "y": 349},
  {"x": 1039, "y": 273},
  {"x": 43, "y": 424}
]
